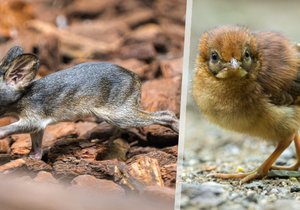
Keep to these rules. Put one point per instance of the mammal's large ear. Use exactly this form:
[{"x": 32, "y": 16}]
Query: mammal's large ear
[
  {"x": 10, "y": 55},
  {"x": 22, "y": 70}
]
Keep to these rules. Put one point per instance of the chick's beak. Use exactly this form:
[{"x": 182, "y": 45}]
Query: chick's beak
[
  {"x": 232, "y": 69},
  {"x": 234, "y": 63}
]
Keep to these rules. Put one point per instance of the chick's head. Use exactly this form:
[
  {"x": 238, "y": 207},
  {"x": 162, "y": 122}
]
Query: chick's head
[{"x": 228, "y": 52}]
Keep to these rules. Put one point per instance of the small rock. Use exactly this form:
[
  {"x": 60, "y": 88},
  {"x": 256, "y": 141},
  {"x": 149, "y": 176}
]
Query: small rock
[
  {"x": 44, "y": 176},
  {"x": 160, "y": 194},
  {"x": 284, "y": 204},
  {"x": 100, "y": 185},
  {"x": 206, "y": 195},
  {"x": 274, "y": 191},
  {"x": 252, "y": 196},
  {"x": 283, "y": 173},
  {"x": 254, "y": 185}
]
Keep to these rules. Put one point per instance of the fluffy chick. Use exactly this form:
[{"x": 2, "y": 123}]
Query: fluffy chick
[{"x": 249, "y": 82}]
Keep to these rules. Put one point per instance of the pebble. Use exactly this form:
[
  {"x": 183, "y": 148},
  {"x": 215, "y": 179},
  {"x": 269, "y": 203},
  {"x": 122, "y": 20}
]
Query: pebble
[
  {"x": 295, "y": 189},
  {"x": 251, "y": 196},
  {"x": 208, "y": 194},
  {"x": 284, "y": 204},
  {"x": 254, "y": 185}
]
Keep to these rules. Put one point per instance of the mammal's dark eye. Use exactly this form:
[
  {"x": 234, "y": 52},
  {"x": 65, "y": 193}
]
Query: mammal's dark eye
[{"x": 214, "y": 57}]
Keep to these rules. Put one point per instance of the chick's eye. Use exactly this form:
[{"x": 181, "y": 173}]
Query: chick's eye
[
  {"x": 214, "y": 57},
  {"x": 247, "y": 60},
  {"x": 247, "y": 55}
]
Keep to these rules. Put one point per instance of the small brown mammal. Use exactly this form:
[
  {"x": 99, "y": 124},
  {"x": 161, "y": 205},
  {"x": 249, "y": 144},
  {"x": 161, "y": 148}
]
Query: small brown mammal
[
  {"x": 249, "y": 83},
  {"x": 98, "y": 89}
]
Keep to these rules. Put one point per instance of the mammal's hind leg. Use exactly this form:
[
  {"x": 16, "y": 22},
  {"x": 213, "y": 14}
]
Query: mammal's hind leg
[{"x": 125, "y": 118}]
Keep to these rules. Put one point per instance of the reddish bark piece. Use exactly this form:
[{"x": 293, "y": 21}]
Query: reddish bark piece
[
  {"x": 49, "y": 54},
  {"x": 147, "y": 32},
  {"x": 143, "y": 70},
  {"x": 4, "y": 146},
  {"x": 173, "y": 150},
  {"x": 101, "y": 131},
  {"x": 45, "y": 177},
  {"x": 138, "y": 150},
  {"x": 14, "y": 13},
  {"x": 160, "y": 136},
  {"x": 36, "y": 165},
  {"x": 6, "y": 120},
  {"x": 21, "y": 145},
  {"x": 71, "y": 167},
  {"x": 102, "y": 30},
  {"x": 117, "y": 149},
  {"x": 75, "y": 45},
  {"x": 141, "y": 51},
  {"x": 140, "y": 172},
  {"x": 82, "y": 128},
  {"x": 172, "y": 10},
  {"x": 162, "y": 94},
  {"x": 168, "y": 173},
  {"x": 162, "y": 158},
  {"x": 92, "y": 9},
  {"x": 56, "y": 131},
  {"x": 138, "y": 17},
  {"x": 99, "y": 185},
  {"x": 12, "y": 165},
  {"x": 171, "y": 68}
]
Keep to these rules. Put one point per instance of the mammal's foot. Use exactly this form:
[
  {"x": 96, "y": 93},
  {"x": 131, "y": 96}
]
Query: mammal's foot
[{"x": 36, "y": 155}]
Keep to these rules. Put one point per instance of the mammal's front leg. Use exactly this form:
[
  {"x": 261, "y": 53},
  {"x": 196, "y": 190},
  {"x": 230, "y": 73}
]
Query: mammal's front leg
[
  {"x": 23, "y": 126},
  {"x": 36, "y": 151},
  {"x": 18, "y": 127}
]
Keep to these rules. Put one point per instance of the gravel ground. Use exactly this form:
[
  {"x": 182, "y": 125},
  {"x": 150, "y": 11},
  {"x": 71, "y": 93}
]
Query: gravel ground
[{"x": 209, "y": 149}]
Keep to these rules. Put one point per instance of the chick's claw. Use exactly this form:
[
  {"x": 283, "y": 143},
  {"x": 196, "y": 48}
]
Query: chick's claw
[
  {"x": 294, "y": 167},
  {"x": 245, "y": 177}
]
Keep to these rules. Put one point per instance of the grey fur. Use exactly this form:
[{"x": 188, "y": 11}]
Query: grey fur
[{"x": 99, "y": 89}]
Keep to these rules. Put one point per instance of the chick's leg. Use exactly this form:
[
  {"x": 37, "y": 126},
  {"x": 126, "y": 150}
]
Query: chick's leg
[
  {"x": 262, "y": 170},
  {"x": 295, "y": 166}
]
